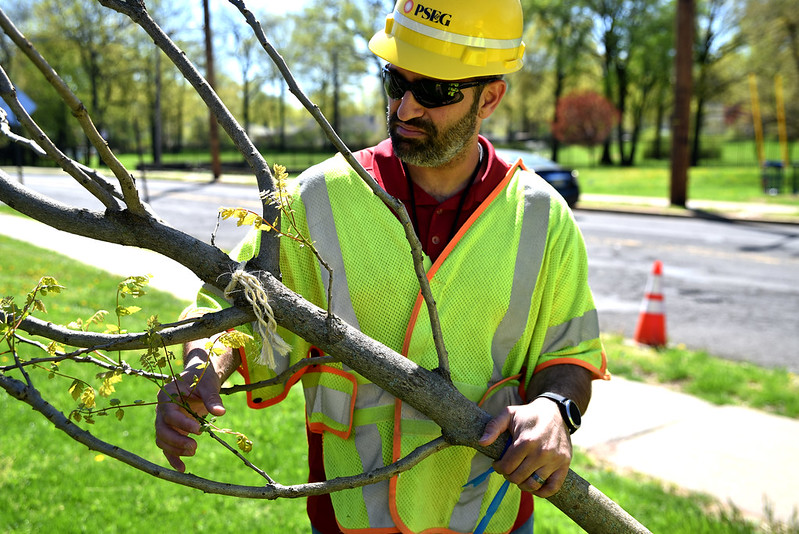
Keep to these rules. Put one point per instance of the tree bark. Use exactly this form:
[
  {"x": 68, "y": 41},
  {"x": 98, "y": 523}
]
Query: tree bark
[{"x": 681, "y": 119}]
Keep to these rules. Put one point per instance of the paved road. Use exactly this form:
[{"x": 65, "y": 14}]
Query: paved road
[{"x": 731, "y": 288}]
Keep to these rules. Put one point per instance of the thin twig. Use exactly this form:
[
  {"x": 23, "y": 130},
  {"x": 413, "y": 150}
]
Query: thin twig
[{"x": 280, "y": 378}]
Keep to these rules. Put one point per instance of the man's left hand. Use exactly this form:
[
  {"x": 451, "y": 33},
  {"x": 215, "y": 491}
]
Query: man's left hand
[{"x": 540, "y": 450}]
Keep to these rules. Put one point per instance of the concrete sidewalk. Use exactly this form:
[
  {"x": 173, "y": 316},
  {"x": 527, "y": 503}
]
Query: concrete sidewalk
[{"x": 736, "y": 454}]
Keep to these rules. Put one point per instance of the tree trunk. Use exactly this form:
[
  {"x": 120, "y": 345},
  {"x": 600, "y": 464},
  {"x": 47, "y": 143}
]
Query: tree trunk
[
  {"x": 682, "y": 103},
  {"x": 213, "y": 126}
]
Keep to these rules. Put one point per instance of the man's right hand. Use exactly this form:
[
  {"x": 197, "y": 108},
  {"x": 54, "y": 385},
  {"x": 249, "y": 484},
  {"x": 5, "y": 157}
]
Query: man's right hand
[{"x": 173, "y": 424}]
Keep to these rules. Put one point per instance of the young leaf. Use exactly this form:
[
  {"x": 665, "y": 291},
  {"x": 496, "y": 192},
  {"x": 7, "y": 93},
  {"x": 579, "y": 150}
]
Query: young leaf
[
  {"x": 88, "y": 398},
  {"x": 122, "y": 311},
  {"x": 76, "y": 389},
  {"x": 234, "y": 339},
  {"x": 243, "y": 443}
]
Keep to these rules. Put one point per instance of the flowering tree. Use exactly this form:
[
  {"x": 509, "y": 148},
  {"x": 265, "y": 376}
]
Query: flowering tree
[{"x": 584, "y": 118}]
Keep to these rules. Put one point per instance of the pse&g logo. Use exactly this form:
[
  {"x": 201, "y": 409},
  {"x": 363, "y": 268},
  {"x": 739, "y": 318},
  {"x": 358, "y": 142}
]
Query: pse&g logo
[{"x": 426, "y": 13}]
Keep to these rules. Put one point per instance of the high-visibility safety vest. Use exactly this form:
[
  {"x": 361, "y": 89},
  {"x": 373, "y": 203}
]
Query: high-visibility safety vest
[{"x": 512, "y": 294}]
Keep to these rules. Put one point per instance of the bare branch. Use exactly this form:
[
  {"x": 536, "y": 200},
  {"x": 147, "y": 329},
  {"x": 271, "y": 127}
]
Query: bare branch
[
  {"x": 31, "y": 396},
  {"x": 5, "y": 129},
  {"x": 279, "y": 379},
  {"x": 201, "y": 327},
  {"x": 102, "y": 181},
  {"x": 137, "y": 12},
  {"x": 126, "y": 182},
  {"x": 9, "y": 94}
]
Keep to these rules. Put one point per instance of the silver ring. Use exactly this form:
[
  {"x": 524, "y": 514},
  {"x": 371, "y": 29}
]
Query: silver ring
[{"x": 537, "y": 478}]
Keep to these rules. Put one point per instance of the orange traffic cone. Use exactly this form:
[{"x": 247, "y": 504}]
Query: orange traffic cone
[{"x": 651, "y": 328}]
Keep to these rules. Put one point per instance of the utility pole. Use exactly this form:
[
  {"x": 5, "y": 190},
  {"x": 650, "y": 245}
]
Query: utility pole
[
  {"x": 213, "y": 127},
  {"x": 680, "y": 122}
]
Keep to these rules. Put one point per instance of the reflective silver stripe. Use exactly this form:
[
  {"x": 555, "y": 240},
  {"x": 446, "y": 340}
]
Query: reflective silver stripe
[
  {"x": 375, "y": 496},
  {"x": 466, "y": 514},
  {"x": 322, "y": 227},
  {"x": 331, "y": 402},
  {"x": 371, "y": 395},
  {"x": 571, "y": 333},
  {"x": 455, "y": 38},
  {"x": 529, "y": 256}
]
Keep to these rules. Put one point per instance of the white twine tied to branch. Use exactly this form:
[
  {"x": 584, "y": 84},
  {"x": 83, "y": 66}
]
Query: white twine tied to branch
[{"x": 255, "y": 294}]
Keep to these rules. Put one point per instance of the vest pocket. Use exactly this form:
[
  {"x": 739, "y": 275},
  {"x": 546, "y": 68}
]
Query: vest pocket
[{"x": 329, "y": 399}]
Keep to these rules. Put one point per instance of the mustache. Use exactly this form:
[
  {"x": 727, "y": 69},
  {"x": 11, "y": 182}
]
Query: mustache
[{"x": 421, "y": 124}]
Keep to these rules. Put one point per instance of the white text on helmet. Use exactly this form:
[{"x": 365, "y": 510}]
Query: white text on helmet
[{"x": 433, "y": 15}]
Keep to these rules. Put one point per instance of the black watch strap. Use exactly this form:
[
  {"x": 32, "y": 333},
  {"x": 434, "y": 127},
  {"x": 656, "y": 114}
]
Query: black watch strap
[{"x": 568, "y": 410}]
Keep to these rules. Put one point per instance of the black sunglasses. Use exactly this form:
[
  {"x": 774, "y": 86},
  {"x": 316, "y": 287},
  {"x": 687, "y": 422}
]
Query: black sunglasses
[{"x": 428, "y": 92}]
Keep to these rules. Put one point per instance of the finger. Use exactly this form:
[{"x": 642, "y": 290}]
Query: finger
[
  {"x": 553, "y": 484},
  {"x": 494, "y": 428},
  {"x": 175, "y": 417},
  {"x": 174, "y": 441},
  {"x": 517, "y": 468},
  {"x": 176, "y": 463},
  {"x": 213, "y": 403}
]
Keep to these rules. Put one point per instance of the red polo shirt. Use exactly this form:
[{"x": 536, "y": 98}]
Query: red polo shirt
[{"x": 434, "y": 224}]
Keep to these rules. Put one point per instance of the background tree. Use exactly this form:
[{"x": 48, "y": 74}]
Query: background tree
[
  {"x": 717, "y": 38},
  {"x": 584, "y": 118},
  {"x": 649, "y": 71},
  {"x": 620, "y": 30},
  {"x": 564, "y": 27}
]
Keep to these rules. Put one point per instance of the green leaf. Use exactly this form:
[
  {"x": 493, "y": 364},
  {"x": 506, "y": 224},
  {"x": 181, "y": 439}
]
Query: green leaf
[
  {"x": 234, "y": 339},
  {"x": 122, "y": 311},
  {"x": 243, "y": 443},
  {"x": 76, "y": 389},
  {"x": 120, "y": 413}
]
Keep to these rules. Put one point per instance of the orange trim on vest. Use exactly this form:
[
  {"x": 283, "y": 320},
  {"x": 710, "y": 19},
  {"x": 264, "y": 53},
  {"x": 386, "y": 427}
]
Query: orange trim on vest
[
  {"x": 497, "y": 386},
  {"x": 451, "y": 245},
  {"x": 244, "y": 371},
  {"x": 396, "y": 449},
  {"x": 601, "y": 373}
]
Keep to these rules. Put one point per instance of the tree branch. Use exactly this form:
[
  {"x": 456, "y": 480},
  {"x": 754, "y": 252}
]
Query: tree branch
[
  {"x": 31, "y": 396},
  {"x": 9, "y": 94},
  {"x": 126, "y": 182},
  {"x": 137, "y": 12}
]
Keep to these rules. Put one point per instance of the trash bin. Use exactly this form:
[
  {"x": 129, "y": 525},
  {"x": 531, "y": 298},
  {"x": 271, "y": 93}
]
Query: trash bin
[{"x": 771, "y": 177}]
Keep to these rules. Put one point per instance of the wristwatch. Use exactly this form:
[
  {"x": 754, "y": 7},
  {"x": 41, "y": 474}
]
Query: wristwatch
[{"x": 568, "y": 409}]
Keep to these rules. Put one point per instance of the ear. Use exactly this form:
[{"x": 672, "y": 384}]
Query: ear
[{"x": 491, "y": 97}]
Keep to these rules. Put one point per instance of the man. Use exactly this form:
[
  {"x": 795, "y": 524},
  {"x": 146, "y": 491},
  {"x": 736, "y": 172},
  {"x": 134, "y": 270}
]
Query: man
[{"x": 507, "y": 268}]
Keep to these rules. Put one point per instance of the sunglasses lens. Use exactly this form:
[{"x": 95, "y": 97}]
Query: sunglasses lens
[
  {"x": 433, "y": 94},
  {"x": 429, "y": 93},
  {"x": 394, "y": 85}
]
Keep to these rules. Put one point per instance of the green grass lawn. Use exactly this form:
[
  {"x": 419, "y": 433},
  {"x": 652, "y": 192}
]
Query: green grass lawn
[{"x": 51, "y": 483}]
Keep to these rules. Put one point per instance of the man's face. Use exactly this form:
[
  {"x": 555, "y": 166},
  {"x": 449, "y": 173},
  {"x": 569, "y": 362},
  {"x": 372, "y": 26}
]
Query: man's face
[{"x": 431, "y": 137}]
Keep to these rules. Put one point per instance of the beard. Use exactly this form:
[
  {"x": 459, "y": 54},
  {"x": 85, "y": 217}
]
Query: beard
[{"x": 440, "y": 146}]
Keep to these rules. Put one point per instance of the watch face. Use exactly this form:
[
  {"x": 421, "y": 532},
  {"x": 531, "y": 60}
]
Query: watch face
[{"x": 574, "y": 413}]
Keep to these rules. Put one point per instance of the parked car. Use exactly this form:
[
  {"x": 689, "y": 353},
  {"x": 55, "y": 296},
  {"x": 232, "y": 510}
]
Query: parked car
[{"x": 562, "y": 179}]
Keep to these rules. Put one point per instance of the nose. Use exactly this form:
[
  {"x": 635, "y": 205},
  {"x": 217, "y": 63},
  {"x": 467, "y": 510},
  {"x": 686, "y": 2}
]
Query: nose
[{"x": 408, "y": 108}]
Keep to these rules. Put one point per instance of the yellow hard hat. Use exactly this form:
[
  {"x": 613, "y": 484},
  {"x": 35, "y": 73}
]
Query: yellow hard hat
[{"x": 453, "y": 39}]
